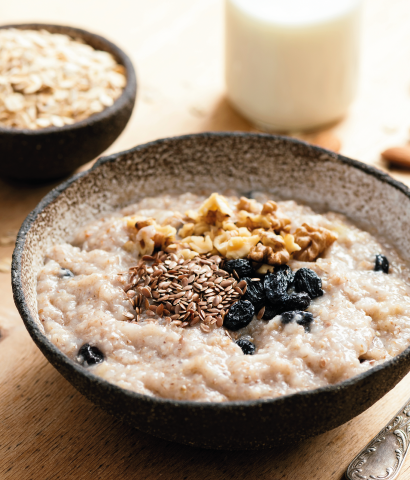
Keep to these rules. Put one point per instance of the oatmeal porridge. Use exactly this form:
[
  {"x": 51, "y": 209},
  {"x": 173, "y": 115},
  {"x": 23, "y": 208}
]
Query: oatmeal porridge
[{"x": 220, "y": 298}]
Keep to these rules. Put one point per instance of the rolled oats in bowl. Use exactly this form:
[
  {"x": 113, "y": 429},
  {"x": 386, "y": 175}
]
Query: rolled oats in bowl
[
  {"x": 49, "y": 79},
  {"x": 223, "y": 297}
]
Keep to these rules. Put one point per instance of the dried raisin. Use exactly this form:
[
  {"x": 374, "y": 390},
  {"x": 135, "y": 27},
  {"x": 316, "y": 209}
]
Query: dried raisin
[
  {"x": 255, "y": 293},
  {"x": 306, "y": 280},
  {"x": 301, "y": 318},
  {"x": 242, "y": 267},
  {"x": 89, "y": 355},
  {"x": 276, "y": 286},
  {"x": 239, "y": 315},
  {"x": 381, "y": 264},
  {"x": 286, "y": 303},
  {"x": 248, "y": 348}
]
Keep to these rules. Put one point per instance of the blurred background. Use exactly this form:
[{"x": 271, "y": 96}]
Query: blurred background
[{"x": 177, "y": 48}]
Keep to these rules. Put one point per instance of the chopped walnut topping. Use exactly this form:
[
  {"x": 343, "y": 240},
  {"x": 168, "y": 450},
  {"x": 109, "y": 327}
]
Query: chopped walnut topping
[
  {"x": 144, "y": 223},
  {"x": 268, "y": 221},
  {"x": 313, "y": 241},
  {"x": 215, "y": 210},
  {"x": 187, "y": 254},
  {"x": 199, "y": 244},
  {"x": 235, "y": 243},
  {"x": 248, "y": 205},
  {"x": 257, "y": 232},
  {"x": 187, "y": 230},
  {"x": 240, "y": 247},
  {"x": 146, "y": 235},
  {"x": 271, "y": 251},
  {"x": 290, "y": 244},
  {"x": 263, "y": 254},
  {"x": 269, "y": 207}
]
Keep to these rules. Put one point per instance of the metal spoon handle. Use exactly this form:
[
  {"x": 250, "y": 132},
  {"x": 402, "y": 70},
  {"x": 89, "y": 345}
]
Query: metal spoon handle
[{"x": 383, "y": 457}]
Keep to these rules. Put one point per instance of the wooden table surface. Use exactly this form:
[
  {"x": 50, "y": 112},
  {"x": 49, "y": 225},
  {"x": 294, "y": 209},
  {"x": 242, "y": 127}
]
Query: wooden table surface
[{"x": 47, "y": 429}]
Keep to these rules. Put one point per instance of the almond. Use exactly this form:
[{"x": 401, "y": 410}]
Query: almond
[
  {"x": 398, "y": 156},
  {"x": 327, "y": 140}
]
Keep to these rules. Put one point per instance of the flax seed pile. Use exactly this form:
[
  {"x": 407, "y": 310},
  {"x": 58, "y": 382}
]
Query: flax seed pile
[
  {"x": 222, "y": 297},
  {"x": 185, "y": 292}
]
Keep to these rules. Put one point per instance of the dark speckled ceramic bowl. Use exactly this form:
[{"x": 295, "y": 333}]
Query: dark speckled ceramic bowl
[
  {"x": 54, "y": 152},
  {"x": 285, "y": 167}
]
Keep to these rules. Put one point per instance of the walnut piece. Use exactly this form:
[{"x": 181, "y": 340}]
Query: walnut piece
[
  {"x": 248, "y": 205},
  {"x": 199, "y": 244},
  {"x": 144, "y": 223},
  {"x": 263, "y": 254},
  {"x": 271, "y": 251},
  {"x": 215, "y": 210},
  {"x": 313, "y": 241},
  {"x": 266, "y": 221},
  {"x": 145, "y": 235},
  {"x": 269, "y": 207},
  {"x": 235, "y": 244},
  {"x": 290, "y": 244}
]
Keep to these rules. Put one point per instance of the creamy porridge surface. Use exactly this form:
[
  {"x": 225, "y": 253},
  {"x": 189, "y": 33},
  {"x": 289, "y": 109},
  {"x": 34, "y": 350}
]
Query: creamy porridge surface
[{"x": 361, "y": 320}]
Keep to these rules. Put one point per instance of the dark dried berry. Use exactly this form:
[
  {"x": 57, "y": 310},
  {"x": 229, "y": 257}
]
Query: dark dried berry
[
  {"x": 66, "y": 273},
  {"x": 239, "y": 315},
  {"x": 307, "y": 281},
  {"x": 255, "y": 293},
  {"x": 271, "y": 311},
  {"x": 297, "y": 301},
  {"x": 301, "y": 318},
  {"x": 242, "y": 267},
  {"x": 248, "y": 348},
  {"x": 286, "y": 303},
  {"x": 381, "y": 264},
  {"x": 287, "y": 272},
  {"x": 89, "y": 355},
  {"x": 276, "y": 286}
]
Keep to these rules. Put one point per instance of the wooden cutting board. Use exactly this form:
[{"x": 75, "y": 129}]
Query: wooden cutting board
[{"x": 47, "y": 429}]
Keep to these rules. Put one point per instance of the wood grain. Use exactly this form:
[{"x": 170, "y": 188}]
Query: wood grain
[{"x": 47, "y": 429}]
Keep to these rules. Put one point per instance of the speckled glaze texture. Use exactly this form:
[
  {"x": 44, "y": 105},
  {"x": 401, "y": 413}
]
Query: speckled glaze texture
[
  {"x": 288, "y": 169},
  {"x": 54, "y": 152}
]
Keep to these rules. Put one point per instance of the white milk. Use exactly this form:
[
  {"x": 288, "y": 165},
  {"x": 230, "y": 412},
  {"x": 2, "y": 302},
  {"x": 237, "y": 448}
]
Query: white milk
[{"x": 292, "y": 64}]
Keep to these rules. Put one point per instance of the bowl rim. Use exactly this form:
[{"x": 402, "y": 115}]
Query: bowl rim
[
  {"x": 43, "y": 343},
  {"x": 128, "y": 91}
]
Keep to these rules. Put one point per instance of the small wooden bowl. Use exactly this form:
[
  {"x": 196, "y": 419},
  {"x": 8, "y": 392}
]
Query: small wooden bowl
[{"x": 54, "y": 152}]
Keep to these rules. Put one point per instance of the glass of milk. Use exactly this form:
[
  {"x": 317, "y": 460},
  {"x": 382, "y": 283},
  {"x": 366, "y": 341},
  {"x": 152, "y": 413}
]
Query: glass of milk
[{"x": 292, "y": 64}]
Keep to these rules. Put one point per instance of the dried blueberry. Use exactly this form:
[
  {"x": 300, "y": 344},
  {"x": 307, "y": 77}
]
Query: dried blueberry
[
  {"x": 66, "y": 273},
  {"x": 242, "y": 267},
  {"x": 381, "y": 263},
  {"x": 287, "y": 272},
  {"x": 271, "y": 311},
  {"x": 301, "y": 318},
  {"x": 297, "y": 301},
  {"x": 307, "y": 281},
  {"x": 286, "y": 303},
  {"x": 248, "y": 348},
  {"x": 239, "y": 315},
  {"x": 276, "y": 286},
  {"x": 255, "y": 293},
  {"x": 88, "y": 355}
]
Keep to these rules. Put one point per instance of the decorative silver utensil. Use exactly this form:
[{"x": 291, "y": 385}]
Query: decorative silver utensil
[{"x": 384, "y": 456}]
